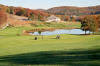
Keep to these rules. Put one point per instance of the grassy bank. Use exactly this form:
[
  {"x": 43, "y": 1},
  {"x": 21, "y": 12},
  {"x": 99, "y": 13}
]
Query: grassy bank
[
  {"x": 57, "y": 25},
  {"x": 39, "y": 25}
]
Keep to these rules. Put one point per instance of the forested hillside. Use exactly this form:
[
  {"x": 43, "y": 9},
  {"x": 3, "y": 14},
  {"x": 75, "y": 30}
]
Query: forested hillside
[
  {"x": 71, "y": 10},
  {"x": 20, "y": 11}
]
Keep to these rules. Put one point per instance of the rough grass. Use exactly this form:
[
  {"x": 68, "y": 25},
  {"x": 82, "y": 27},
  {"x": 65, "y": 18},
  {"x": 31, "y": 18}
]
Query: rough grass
[
  {"x": 70, "y": 50},
  {"x": 18, "y": 21},
  {"x": 57, "y": 25}
]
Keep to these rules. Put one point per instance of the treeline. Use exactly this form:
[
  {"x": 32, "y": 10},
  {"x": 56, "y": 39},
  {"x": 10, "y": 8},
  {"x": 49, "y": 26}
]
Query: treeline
[
  {"x": 69, "y": 18},
  {"x": 69, "y": 10},
  {"x": 91, "y": 23},
  {"x": 31, "y": 14}
]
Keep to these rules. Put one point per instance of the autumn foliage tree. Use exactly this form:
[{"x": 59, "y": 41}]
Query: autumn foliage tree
[
  {"x": 93, "y": 24},
  {"x": 89, "y": 23},
  {"x": 84, "y": 24},
  {"x": 98, "y": 20},
  {"x": 3, "y": 19},
  {"x": 21, "y": 12},
  {"x": 10, "y": 10},
  {"x": 67, "y": 18}
]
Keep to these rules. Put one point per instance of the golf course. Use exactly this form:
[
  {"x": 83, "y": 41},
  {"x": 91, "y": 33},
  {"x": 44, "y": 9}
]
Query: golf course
[
  {"x": 69, "y": 50},
  {"x": 49, "y": 33}
]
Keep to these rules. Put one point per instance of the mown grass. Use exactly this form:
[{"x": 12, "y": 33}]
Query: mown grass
[{"x": 69, "y": 50}]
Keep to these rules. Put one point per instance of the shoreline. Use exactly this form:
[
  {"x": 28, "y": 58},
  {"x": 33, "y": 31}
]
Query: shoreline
[{"x": 47, "y": 29}]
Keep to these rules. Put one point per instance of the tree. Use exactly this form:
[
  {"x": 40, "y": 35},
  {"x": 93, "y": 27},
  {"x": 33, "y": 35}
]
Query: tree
[
  {"x": 31, "y": 17},
  {"x": 72, "y": 18},
  {"x": 40, "y": 34},
  {"x": 21, "y": 12},
  {"x": 92, "y": 24},
  {"x": 11, "y": 10},
  {"x": 67, "y": 18},
  {"x": 8, "y": 10},
  {"x": 40, "y": 17},
  {"x": 3, "y": 19},
  {"x": 84, "y": 25},
  {"x": 89, "y": 23},
  {"x": 98, "y": 20}
]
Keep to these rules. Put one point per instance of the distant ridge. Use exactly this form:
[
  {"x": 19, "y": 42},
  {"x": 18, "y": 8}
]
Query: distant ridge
[
  {"x": 61, "y": 10},
  {"x": 73, "y": 10}
]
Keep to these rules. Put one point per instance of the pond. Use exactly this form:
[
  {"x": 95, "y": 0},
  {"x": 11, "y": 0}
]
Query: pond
[{"x": 61, "y": 31}]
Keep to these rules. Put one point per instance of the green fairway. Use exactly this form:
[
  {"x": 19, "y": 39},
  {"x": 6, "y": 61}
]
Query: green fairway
[{"x": 69, "y": 50}]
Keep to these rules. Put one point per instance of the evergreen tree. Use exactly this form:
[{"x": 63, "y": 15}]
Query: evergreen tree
[
  {"x": 40, "y": 17},
  {"x": 31, "y": 17}
]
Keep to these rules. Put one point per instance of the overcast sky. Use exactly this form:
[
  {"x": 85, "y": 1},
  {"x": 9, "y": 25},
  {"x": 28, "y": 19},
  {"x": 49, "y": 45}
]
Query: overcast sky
[{"x": 45, "y": 4}]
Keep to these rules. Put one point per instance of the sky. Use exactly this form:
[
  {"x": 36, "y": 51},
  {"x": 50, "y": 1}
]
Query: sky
[{"x": 46, "y": 4}]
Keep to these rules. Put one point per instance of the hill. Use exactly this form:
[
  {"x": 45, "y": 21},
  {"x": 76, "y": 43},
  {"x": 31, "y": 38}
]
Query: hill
[
  {"x": 20, "y": 11},
  {"x": 18, "y": 21},
  {"x": 72, "y": 10},
  {"x": 62, "y": 10}
]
